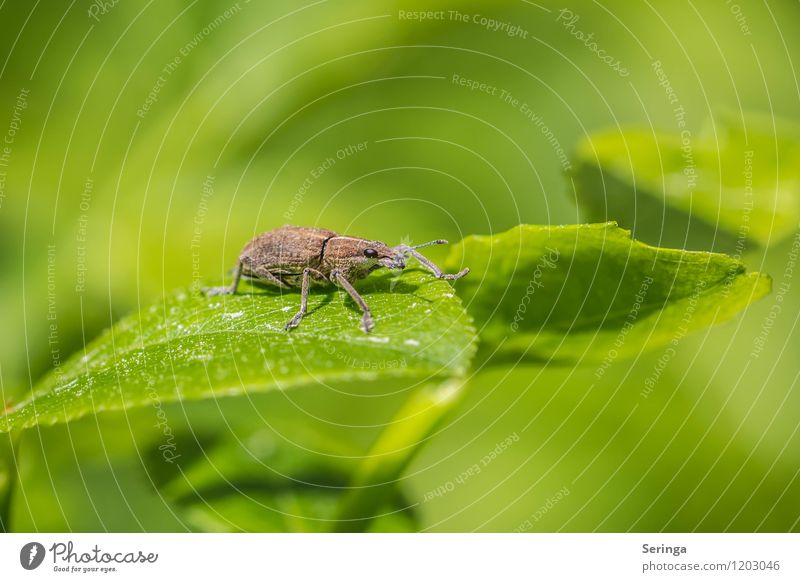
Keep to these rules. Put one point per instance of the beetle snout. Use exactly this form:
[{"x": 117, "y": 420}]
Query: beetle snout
[{"x": 395, "y": 262}]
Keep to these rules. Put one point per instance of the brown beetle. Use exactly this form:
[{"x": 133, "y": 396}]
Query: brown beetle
[{"x": 292, "y": 256}]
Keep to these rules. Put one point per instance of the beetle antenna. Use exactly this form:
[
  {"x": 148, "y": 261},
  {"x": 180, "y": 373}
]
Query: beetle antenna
[{"x": 427, "y": 244}]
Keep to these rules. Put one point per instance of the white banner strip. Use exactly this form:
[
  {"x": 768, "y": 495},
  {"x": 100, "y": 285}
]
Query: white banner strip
[{"x": 401, "y": 557}]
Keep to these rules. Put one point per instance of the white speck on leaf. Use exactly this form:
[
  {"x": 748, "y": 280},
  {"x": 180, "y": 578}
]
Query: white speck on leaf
[{"x": 411, "y": 342}]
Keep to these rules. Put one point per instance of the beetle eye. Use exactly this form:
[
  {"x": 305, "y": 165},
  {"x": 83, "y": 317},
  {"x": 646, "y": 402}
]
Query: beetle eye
[{"x": 370, "y": 253}]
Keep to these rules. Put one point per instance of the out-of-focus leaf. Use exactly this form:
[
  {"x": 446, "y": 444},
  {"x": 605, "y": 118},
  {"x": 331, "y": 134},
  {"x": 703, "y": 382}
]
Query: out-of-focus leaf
[
  {"x": 292, "y": 510},
  {"x": 739, "y": 179},
  {"x": 589, "y": 293},
  {"x": 375, "y": 481},
  {"x": 193, "y": 347},
  {"x": 8, "y": 478},
  {"x": 258, "y": 482},
  {"x": 264, "y": 481}
]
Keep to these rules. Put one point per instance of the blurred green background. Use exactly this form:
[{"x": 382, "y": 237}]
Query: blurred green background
[{"x": 150, "y": 140}]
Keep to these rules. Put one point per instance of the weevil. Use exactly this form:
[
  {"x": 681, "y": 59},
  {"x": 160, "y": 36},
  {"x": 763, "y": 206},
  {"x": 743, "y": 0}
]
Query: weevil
[{"x": 292, "y": 256}]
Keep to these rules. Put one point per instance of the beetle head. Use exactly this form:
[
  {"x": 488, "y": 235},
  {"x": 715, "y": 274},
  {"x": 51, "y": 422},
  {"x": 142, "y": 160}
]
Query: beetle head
[
  {"x": 357, "y": 257},
  {"x": 381, "y": 255},
  {"x": 393, "y": 257}
]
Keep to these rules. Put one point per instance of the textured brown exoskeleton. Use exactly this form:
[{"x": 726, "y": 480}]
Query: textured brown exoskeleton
[{"x": 292, "y": 256}]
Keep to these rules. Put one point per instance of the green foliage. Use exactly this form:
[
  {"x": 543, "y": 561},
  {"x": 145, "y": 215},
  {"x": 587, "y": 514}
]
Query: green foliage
[
  {"x": 378, "y": 476},
  {"x": 193, "y": 347},
  {"x": 559, "y": 294},
  {"x": 115, "y": 207},
  {"x": 585, "y": 293},
  {"x": 261, "y": 481},
  {"x": 739, "y": 177},
  {"x": 8, "y": 477}
]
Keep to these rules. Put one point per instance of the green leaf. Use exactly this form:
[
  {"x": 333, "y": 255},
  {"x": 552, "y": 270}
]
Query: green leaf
[
  {"x": 193, "y": 347},
  {"x": 302, "y": 476},
  {"x": 737, "y": 180},
  {"x": 377, "y": 478},
  {"x": 8, "y": 477},
  {"x": 258, "y": 481},
  {"x": 589, "y": 293}
]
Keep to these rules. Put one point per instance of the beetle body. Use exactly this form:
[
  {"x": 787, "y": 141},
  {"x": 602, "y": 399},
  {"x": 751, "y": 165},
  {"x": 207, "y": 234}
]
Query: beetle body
[
  {"x": 287, "y": 251},
  {"x": 294, "y": 256}
]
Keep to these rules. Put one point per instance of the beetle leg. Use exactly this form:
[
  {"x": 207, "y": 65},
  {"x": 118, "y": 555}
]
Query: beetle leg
[
  {"x": 431, "y": 266},
  {"x": 229, "y": 290},
  {"x": 295, "y": 321},
  {"x": 366, "y": 319},
  {"x": 269, "y": 277}
]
